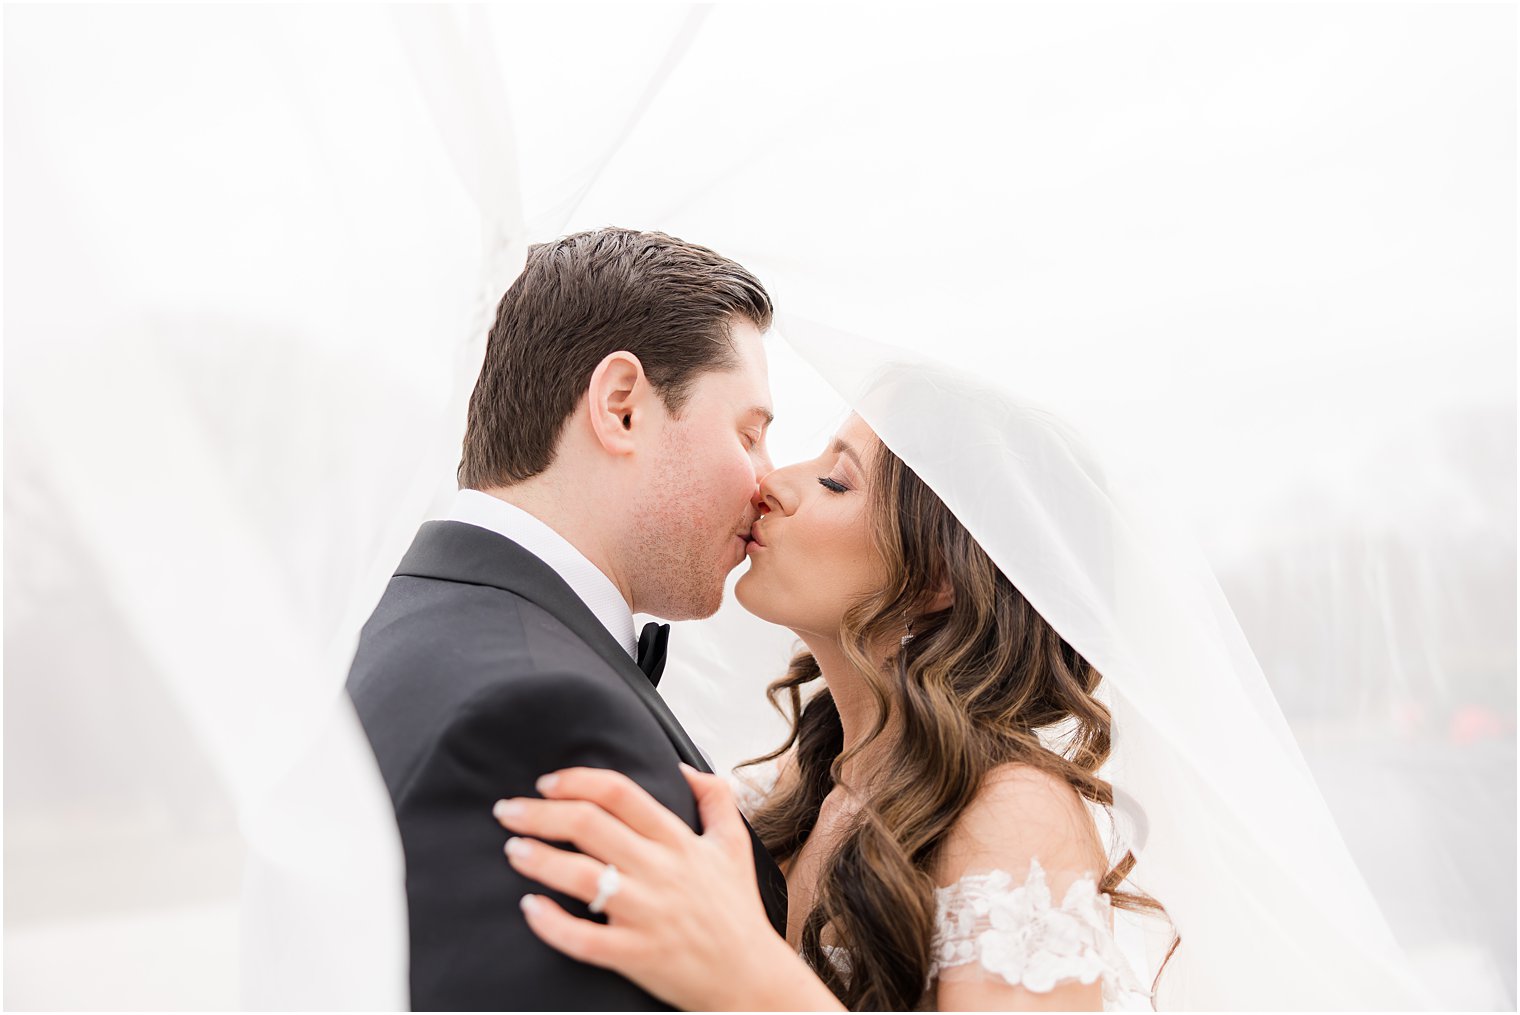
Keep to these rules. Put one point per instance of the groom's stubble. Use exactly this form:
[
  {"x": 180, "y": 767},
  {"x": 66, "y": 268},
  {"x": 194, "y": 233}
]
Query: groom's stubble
[{"x": 680, "y": 537}]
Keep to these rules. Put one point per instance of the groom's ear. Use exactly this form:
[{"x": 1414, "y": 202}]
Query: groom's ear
[{"x": 617, "y": 399}]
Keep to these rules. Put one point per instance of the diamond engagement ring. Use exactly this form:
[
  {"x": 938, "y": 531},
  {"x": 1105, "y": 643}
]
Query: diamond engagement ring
[{"x": 607, "y": 885}]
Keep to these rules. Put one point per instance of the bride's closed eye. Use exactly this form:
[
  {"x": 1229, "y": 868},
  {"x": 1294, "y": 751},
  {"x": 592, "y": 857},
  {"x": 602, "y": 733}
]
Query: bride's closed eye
[{"x": 833, "y": 485}]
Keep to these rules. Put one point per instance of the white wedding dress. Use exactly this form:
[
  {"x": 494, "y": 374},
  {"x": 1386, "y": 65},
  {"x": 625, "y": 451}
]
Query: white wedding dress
[{"x": 1034, "y": 929}]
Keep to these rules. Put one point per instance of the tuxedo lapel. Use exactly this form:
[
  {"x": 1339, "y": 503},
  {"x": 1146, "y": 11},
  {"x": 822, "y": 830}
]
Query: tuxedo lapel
[{"x": 461, "y": 552}]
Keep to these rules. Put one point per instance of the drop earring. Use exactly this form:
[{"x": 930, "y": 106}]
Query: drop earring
[{"x": 902, "y": 652}]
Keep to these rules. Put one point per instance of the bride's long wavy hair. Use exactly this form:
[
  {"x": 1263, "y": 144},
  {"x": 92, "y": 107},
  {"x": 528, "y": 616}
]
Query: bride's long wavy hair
[{"x": 974, "y": 688}]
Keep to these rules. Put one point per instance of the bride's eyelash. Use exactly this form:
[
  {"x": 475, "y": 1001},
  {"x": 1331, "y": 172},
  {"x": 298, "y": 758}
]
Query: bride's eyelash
[{"x": 833, "y": 485}]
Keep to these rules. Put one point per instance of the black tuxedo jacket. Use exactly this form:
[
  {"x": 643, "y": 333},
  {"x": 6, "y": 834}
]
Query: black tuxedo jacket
[{"x": 479, "y": 671}]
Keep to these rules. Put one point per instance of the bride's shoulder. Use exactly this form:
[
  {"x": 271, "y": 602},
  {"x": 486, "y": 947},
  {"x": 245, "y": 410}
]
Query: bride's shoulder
[
  {"x": 1022, "y": 813},
  {"x": 1020, "y": 918}
]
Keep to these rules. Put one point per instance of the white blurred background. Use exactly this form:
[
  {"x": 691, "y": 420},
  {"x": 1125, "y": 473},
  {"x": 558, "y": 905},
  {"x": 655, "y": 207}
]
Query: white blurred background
[{"x": 1265, "y": 254}]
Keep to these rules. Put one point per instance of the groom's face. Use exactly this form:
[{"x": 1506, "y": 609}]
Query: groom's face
[{"x": 693, "y": 514}]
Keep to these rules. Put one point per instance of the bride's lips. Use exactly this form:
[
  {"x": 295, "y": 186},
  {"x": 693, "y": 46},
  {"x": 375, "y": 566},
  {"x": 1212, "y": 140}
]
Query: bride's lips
[{"x": 754, "y": 535}]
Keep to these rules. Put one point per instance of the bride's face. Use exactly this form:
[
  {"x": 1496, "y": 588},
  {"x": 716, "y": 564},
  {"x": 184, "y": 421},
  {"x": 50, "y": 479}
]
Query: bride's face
[{"x": 812, "y": 557}]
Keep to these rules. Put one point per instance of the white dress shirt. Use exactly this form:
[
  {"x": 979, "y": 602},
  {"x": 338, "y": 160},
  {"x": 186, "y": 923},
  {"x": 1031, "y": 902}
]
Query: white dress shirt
[{"x": 585, "y": 579}]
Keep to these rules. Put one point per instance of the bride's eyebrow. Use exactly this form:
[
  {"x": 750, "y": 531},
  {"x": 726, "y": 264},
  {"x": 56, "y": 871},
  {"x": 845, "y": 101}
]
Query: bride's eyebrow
[{"x": 840, "y": 446}]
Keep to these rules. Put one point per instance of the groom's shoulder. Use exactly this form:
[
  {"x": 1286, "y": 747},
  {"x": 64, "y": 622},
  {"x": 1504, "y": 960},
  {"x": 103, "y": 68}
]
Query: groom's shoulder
[
  {"x": 473, "y": 660},
  {"x": 432, "y": 647},
  {"x": 425, "y": 628}
]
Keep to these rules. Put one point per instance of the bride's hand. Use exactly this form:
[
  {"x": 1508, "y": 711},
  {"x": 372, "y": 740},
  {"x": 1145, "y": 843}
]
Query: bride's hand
[{"x": 686, "y": 922}]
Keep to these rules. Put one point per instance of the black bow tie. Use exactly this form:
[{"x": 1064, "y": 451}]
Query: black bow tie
[{"x": 652, "y": 644}]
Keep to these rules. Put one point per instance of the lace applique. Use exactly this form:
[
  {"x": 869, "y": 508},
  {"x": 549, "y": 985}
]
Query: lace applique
[{"x": 1017, "y": 934}]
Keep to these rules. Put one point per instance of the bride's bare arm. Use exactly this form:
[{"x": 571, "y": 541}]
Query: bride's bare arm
[{"x": 686, "y": 923}]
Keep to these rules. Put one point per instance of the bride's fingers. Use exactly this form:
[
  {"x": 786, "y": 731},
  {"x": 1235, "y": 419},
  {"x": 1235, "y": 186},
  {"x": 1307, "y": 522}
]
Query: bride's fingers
[
  {"x": 572, "y": 873},
  {"x": 593, "y": 943},
  {"x": 585, "y": 825},
  {"x": 619, "y": 796}
]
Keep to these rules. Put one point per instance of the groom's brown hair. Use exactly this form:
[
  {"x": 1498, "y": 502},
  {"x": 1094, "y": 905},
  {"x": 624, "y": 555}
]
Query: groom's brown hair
[{"x": 579, "y": 298}]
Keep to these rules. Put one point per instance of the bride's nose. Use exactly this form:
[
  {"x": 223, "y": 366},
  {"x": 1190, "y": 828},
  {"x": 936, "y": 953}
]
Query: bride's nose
[{"x": 771, "y": 493}]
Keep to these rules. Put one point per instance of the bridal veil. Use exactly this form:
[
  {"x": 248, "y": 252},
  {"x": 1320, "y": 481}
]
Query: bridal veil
[
  {"x": 1259, "y": 257},
  {"x": 1212, "y": 793}
]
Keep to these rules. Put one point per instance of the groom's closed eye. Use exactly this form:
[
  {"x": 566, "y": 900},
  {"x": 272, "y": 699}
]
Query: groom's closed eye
[{"x": 758, "y": 419}]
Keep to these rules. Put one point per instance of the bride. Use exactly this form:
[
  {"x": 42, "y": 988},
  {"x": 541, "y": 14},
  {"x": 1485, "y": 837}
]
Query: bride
[
  {"x": 916, "y": 807},
  {"x": 1000, "y": 646}
]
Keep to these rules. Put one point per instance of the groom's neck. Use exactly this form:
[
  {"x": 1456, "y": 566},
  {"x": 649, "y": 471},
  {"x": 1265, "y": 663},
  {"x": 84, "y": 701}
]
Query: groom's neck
[{"x": 560, "y": 509}]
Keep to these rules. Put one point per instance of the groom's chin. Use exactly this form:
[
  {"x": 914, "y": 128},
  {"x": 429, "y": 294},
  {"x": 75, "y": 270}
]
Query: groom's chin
[{"x": 693, "y": 606}]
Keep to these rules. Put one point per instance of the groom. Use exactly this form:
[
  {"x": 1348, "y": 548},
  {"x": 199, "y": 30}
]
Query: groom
[{"x": 615, "y": 437}]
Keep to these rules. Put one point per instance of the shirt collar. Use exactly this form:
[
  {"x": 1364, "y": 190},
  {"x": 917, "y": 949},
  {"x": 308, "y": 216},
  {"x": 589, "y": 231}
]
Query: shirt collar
[{"x": 585, "y": 579}]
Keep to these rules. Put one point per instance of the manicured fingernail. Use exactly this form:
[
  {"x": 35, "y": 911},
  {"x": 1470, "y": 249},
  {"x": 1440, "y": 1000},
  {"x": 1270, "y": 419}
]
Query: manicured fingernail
[
  {"x": 529, "y": 903},
  {"x": 546, "y": 783},
  {"x": 507, "y": 809},
  {"x": 518, "y": 847}
]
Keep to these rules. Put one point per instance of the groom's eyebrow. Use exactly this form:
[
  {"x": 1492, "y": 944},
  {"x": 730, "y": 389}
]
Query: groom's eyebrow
[{"x": 763, "y": 413}]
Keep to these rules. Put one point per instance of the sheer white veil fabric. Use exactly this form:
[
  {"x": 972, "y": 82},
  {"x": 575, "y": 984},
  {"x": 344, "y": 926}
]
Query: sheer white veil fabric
[
  {"x": 254, "y": 251},
  {"x": 1230, "y": 831},
  {"x": 245, "y": 366}
]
